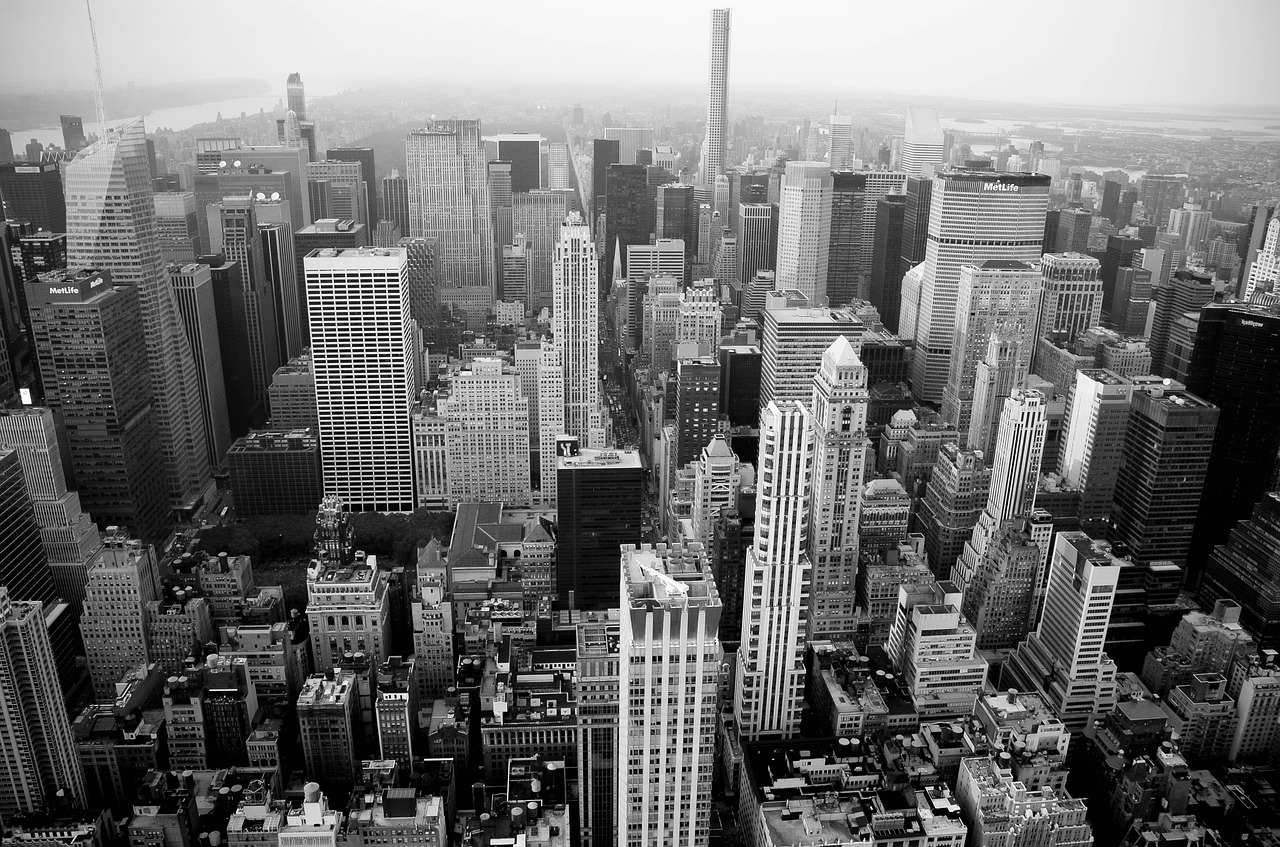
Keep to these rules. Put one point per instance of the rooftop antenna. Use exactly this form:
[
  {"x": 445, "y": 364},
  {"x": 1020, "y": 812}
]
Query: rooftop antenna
[{"x": 97, "y": 74}]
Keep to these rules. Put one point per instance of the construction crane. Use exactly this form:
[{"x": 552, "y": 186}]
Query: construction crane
[{"x": 97, "y": 74}]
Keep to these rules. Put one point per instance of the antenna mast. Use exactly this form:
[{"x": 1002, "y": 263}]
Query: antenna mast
[{"x": 97, "y": 74}]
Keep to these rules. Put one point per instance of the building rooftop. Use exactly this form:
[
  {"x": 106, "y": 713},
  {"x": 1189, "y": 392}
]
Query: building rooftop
[
  {"x": 324, "y": 690},
  {"x": 588, "y": 458}
]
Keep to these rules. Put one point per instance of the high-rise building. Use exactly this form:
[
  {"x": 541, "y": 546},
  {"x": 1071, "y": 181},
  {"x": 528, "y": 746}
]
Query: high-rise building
[
  {"x": 848, "y": 205},
  {"x": 794, "y": 337},
  {"x": 777, "y": 579},
  {"x": 717, "y": 142},
  {"x": 521, "y": 149},
  {"x": 6, "y": 146},
  {"x": 631, "y": 140},
  {"x": 740, "y": 383},
  {"x": 677, "y": 218},
  {"x": 1072, "y": 294},
  {"x": 757, "y": 239},
  {"x": 629, "y": 217},
  {"x": 999, "y": 598},
  {"x": 242, "y": 243},
  {"x": 395, "y": 200},
  {"x": 934, "y": 648},
  {"x": 94, "y": 367},
  {"x": 697, "y": 406},
  {"x": 297, "y": 95},
  {"x": 598, "y": 671},
  {"x": 488, "y": 440},
  {"x": 1097, "y": 417},
  {"x": 538, "y": 216},
  {"x": 604, "y": 152},
  {"x": 280, "y": 264},
  {"x": 549, "y": 390},
  {"x": 368, "y": 175},
  {"x": 118, "y": 235},
  {"x": 42, "y": 766},
  {"x": 995, "y": 295},
  {"x": 1264, "y": 273},
  {"x": 177, "y": 227},
  {"x": 329, "y": 723},
  {"x": 922, "y": 142},
  {"x": 1073, "y": 231},
  {"x": 974, "y": 216},
  {"x": 1233, "y": 366},
  {"x": 275, "y": 472},
  {"x": 668, "y": 673},
  {"x": 843, "y": 151},
  {"x": 123, "y": 578},
  {"x": 839, "y": 409},
  {"x": 193, "y": 289},
  {"x": 885, "y": 289},
  {"x": 1242, "y": 571},
  {"x": 449, "y": 201},
  {"x": 1159, "y": 193},
  {"x": 1186, "y": 291},
  {"x": 348, "y": 608},
  {"x": 1162, "y": 473},
  {"x": 24, "y": 568},
  {"x": 362, "y": 353},
  {"x": 576, "y": 329},
  {"x": 558, "y": 166},
  {"x": 804, "y": 229},
  {"x": 1259, "y": 229},
  {"x": 1110, "y": 207},
  {"x": 599, "y": 496},
  {"x": 336, "y": 189},
  {"x": 33, "y": 192}
]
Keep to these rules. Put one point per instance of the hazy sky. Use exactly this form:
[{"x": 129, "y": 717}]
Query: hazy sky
[{"x": 1043, "y": 51}]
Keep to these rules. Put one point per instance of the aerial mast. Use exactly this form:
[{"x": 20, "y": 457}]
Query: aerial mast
[{"x": 97, "y": 74}]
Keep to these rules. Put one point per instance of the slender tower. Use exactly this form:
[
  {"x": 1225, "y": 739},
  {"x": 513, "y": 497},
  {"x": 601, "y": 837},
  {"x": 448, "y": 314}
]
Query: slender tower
[
  {"x": 717, "y": 93},
  {"x": 576, "y": 329}
]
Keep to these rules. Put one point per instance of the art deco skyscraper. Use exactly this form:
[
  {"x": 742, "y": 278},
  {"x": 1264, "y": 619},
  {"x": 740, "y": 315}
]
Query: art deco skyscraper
[
  {"x": 922, "y": 143},
  {"x": 669, "y": 668},
  {"x": 449, "y": 201},
  {"x": 1072, "y": 294},
  {"x": 778, "y": 579},
  {"x": 804, "y": 229},
  {"x": 122, "y": 580},
  {"x": 40, "y": 752},
  {"x": 974, "y": 216},
  {"x": 839, "y": 410},
  {"x": 297, "y": 95},
  {"x": 1264, "y": 273},
  {"x": 111, "y": 226},
  {"x": 713, "y": 149},
  {"x": 576, "y": 329}
]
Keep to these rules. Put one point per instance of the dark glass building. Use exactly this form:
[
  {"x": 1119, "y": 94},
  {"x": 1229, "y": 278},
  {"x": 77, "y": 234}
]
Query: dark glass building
[
  {"x": 33, "y": 192},
  {"x": 915, "y": 221},
  {"x": 1246, "y": 569},
  {"x": 886, "y": 259},
  {"x": 275, "y": 473},
  {"x": 740, "y": 383},
  {"x": 244, "y": 408},
  {"x": 848, "y": 193},
  {"x": 1120, "y": 253},
  {"x": 525, "y": 159},
  {"x": 604, "y": 152},
  {"x": 697, "y": 406},
  {"x": 599, "y": 502},
  {"x": 629, "y": 215},
  {"x": 677, "y": 217},
  {"x": 24, "y": 568},
  {"x": 1111, "y": 191}
]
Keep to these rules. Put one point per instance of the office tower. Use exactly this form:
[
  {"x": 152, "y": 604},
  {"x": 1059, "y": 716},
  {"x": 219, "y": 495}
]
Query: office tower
[
  {"x": 395, "y": 200},
  {"x": 718, "y": 479},
  {"x": 275, "y": 472},
  {"x": 521, "y": 150},
  {"x": 843, "y": 153},
  {"x": 559, "y": 167},
  {"x": 867, "y": 190},
  {"x": 677, "y": 218},
  {"x": 123, "y": 578},
  {"x": 1000, "y": 593},
  {"x": 885, "y": 289},
  {"x": 598, "y": 671},
  {"x": 515, "y": 276},
  {"x": 42, "y": 767},
  {"x": 778, "y": 579},
  {"x": 661, "y": 311},
  {"x": 348, "y": 608},
  {"x": 549, "y": 390},
  {"x": 630, "y": 141},
  {"x": 1264, "y": 271},
  {"x": 449, "y": 201},
  {"x": 6, "y": 146},
  {"x": 119, "y": 237},
  {"x": 177, "y": 227},
  {"x": 629, "y": 217},
  {"x": 974, "y": 216},
  {"x": 504, "y": 234},
  {"x": 1186, "y": 291},
  {"x": 244, "y": 409},
  {"x": 839, "y": 410},
  {"x": 1258, "y": 227},
  {"x": 697, "y": 406},
  {"x": 757, "y": 239},
  {"x": 1003, "y": 368},
  {"x": 793, "y": 342},
  {"x": 576, "y": 329},
  {"x": 848, "y": 201},
  {"x": 323, "y": 234},
  {"x": 1121, "y": 251},
  {"x": 253, "y": 170},
  {"x": 1191, "y": 224},
  {"x": 1131, "y": 303},
  {"x": 423, "y": 304},
  {"x": 922, "y": 142},
  {"x": 241, "y": 243},
  {"x": 996, "y": 295},
  {"x": 668, "y": 673},
  {"x": 280, "y": 264},
  {"x": 933, "y": 647},
  {"x": 745, "y": 188},
  {"x": 488, "y": 441},
  {"x": 1159, "y": 193},
  {"x": 740, "y": 383},
  {"x": 33, "y": 192},
  {"x": 604, "y": 152},
  {"x": 1162, "y": 473},
  {"x": 538, "y": 216},
  {"x": 915, "y": 221},
  {"x": 1073, "y": 231},
  {"x": 804, "y": 229},
  {"x": 193, "y": 289},
  {"x": 328, "y": 723},
  {"x": 368, "y": 175},
  {"x": 726, "y": 262},
  {"x": 296, "y": 93},
  {"x": 1110, "y": 208},
  {"x": 1233, "y": 366},
  {"x": 598, "y": 494},
  {"x": 1097, "y": 418},
  {"x": 1257, "y": 690},
  {"x": 95, "y": 376},
  {"x": 362, "y": 353},
  {"x": 35, "y": 151},
  {"x": 24, "y": 568},
  {"x": 1063, "y": 659},
  {"x": 716, "y": 145}
]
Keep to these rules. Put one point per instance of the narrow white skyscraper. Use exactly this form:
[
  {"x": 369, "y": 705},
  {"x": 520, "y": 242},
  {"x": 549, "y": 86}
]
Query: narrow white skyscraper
[
  {"x": 804, "y": 229},
  {"x": 669, "y": 668},
  {"x": 842, "y": 151},
  {"x": 777, "y": 579},
  {"x": 362, "y": 354},
  {"x": 713, "y": 148},
  {"x": 575, "y": 322},
  {"x": 922, "y": 142}
]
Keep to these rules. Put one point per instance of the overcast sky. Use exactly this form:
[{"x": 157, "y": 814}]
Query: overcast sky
[{"x": 1042, "y": 51}]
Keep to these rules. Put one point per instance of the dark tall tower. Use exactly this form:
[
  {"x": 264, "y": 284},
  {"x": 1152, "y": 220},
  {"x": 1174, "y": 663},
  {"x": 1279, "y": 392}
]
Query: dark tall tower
[
  {"x": 24, "y": 568},
  {"x": 915, "y": 221},
  {"x": 244, "y": 409},
  {"x": 629, "y": 215},
  {"x": 740, "y": 383},
  {"x": 1159, "y": 193},
  {"x": 886, "y": 259},
  {"x": 848, "y": 193},
  {"x": 368, "y": 173},
  {"x": 1120, "y": 253},
  {"x": 757, "y": 240},
  {"x": 1185, "y": 292},
  {"x": 1111, "y": 191},
  {"x": 1073, "y": 231},
  {"x": 697, "y": 406},
  {"x": 604, "y": 152},
  {"x": 599, "y": 498},
  {"x": 33, "y": 192},
  {"x": 677, "y": 217},
  {"x": 72, "y": 132},
  {"x": 395, "y": 201},
  {"x": 522, "y": 151},
  {"x": 1236, "y": 365}
]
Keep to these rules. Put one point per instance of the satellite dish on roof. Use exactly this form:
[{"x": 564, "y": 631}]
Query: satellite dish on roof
[
  {"x": 261, "y": 196},
  {"x": 237, "y": 163},
  {"x": 275, "y": 195},
  {"x": 223, "y": 163}
]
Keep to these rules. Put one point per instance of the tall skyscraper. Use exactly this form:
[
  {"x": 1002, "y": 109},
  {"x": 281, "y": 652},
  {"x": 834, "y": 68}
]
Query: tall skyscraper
[
  {"x": 839, "y": 408},
  {"x": 41, "y": 760},
  {"x": 1072, "y": 294},
  {"x": 521, "y": 149},
  {"x": 953, "y": 500},
  {"x": 631, "y": 140},
  {"x": 1097, "y": 417},
  {"x": 337, "y": 189},
  {"x": 922, "y": 142},
  {"x": 599, "y": 494},
  {"x": 488, "y": 440},
  {"x": 794, "y": 338},
  {"x": 778, "y": 579},
  {"x": 368, "y": 176},
  {"x": 1159, "y": 193},
  {"x": 757, "y": 239},
  {"x": 843, "y": 151},
  {"x": 999, "y": 599},
  {"x": 94, "y": 367},
  {"x": 123, "y": 579},
  {"x": 1243, "y": 569},
  {"x": 717, "y": 142},
  {"x": 629, "y": 217},
  {"x": 1186, "y": 291},
  {"x": 242, "y": 243},
  {"x": 995, "y": 295},
  {"x": 1259, "y": 227},
  {"x": 296, "y": 93},
  {"x": 33, "y": 192},
  {"x": 697, "y": 406},
  {"x": 193, "y": 288},
  {"x": 668, "y": 673},
  {"x": 1264, "y": 272},
  {"x": 449, "y": 201},
  {"x": 848, "y": 203},
  {"x": 111, "y": 226},
  {"x": 362, "y": 353},
  {"x": 395, "y": 200},
  {"x": 538, "y": 216},
  {"x": 576, "y": 329},
  {"x": 279, "y": 263},
  {"x": 885, "y": 289},
  {"x": 974, "y": 216},
  {"x": 804, "y": 229},
  {"x": 604, "y": 152},
  {"x": 1073, "y": 231},
  {"x": 24, "y": 568}
]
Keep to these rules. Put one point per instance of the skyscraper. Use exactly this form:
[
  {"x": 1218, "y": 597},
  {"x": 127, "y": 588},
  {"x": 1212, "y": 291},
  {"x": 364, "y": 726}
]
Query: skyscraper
[
  {"x": 395, "y": 200},
  {"x": 804, "y": 229},
  {"x": 629, "y": 217},
  {"x": 122, "y": 580},
  {"x": 1159, "y": 193},
  {"x": 974, "y": 216},
  {"x": 1186, "y": 291},
  {"x": 1097, "y": 417},
  {"x": 793, "y": 341},
  {"x": 848, "y": 203},
  {"x": 697, "y": 406},
  {"x": 713, "y": 149},
  {"x": 1264, "y": 272},
  {"x": 631, "y": 140},
  {"x": 521, "y": 150},
  {"x": 41, "y": 760},
  {"x": 1259, "y": 228},
  {"x": 843, "y": 151},
  {"x": 538, "y": 216},
  {"x": 999, "y": 597},
  {"x": 337, "y": 189},
  {"x": 757, "y": 239},
  {"x": 296, "y": 93},
  {"x": 24, "y": 568},
  {"x": 1243, "y": 569},
  {"x": 669, "y": 670},
  {"x": 488, "y": 440},
  {"x": 599, "y": 494},
  {"x": 449, "y": 201},
  {"x": 1072, "y": 294},
  {"x": 242, "y": 243},
  {"x": 193, "y": 288},
  {"x": 576, "y": 329},
  {"x": 839, "y": 408},
  {"x": 885, "y": 289},
  {"x": 1073, "y": 231},
  {"x": 111, "y": 226},
  {"x": 922, "y": 142},
  {"x": 604, "y": 152},
  {"x": 280, "y": 264},
  {"x": 368, "y": 176},
  {"x": 362, "y": 353},
  {"x": 33, "y": 192},
  {"x": 778, "y": 579}
]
